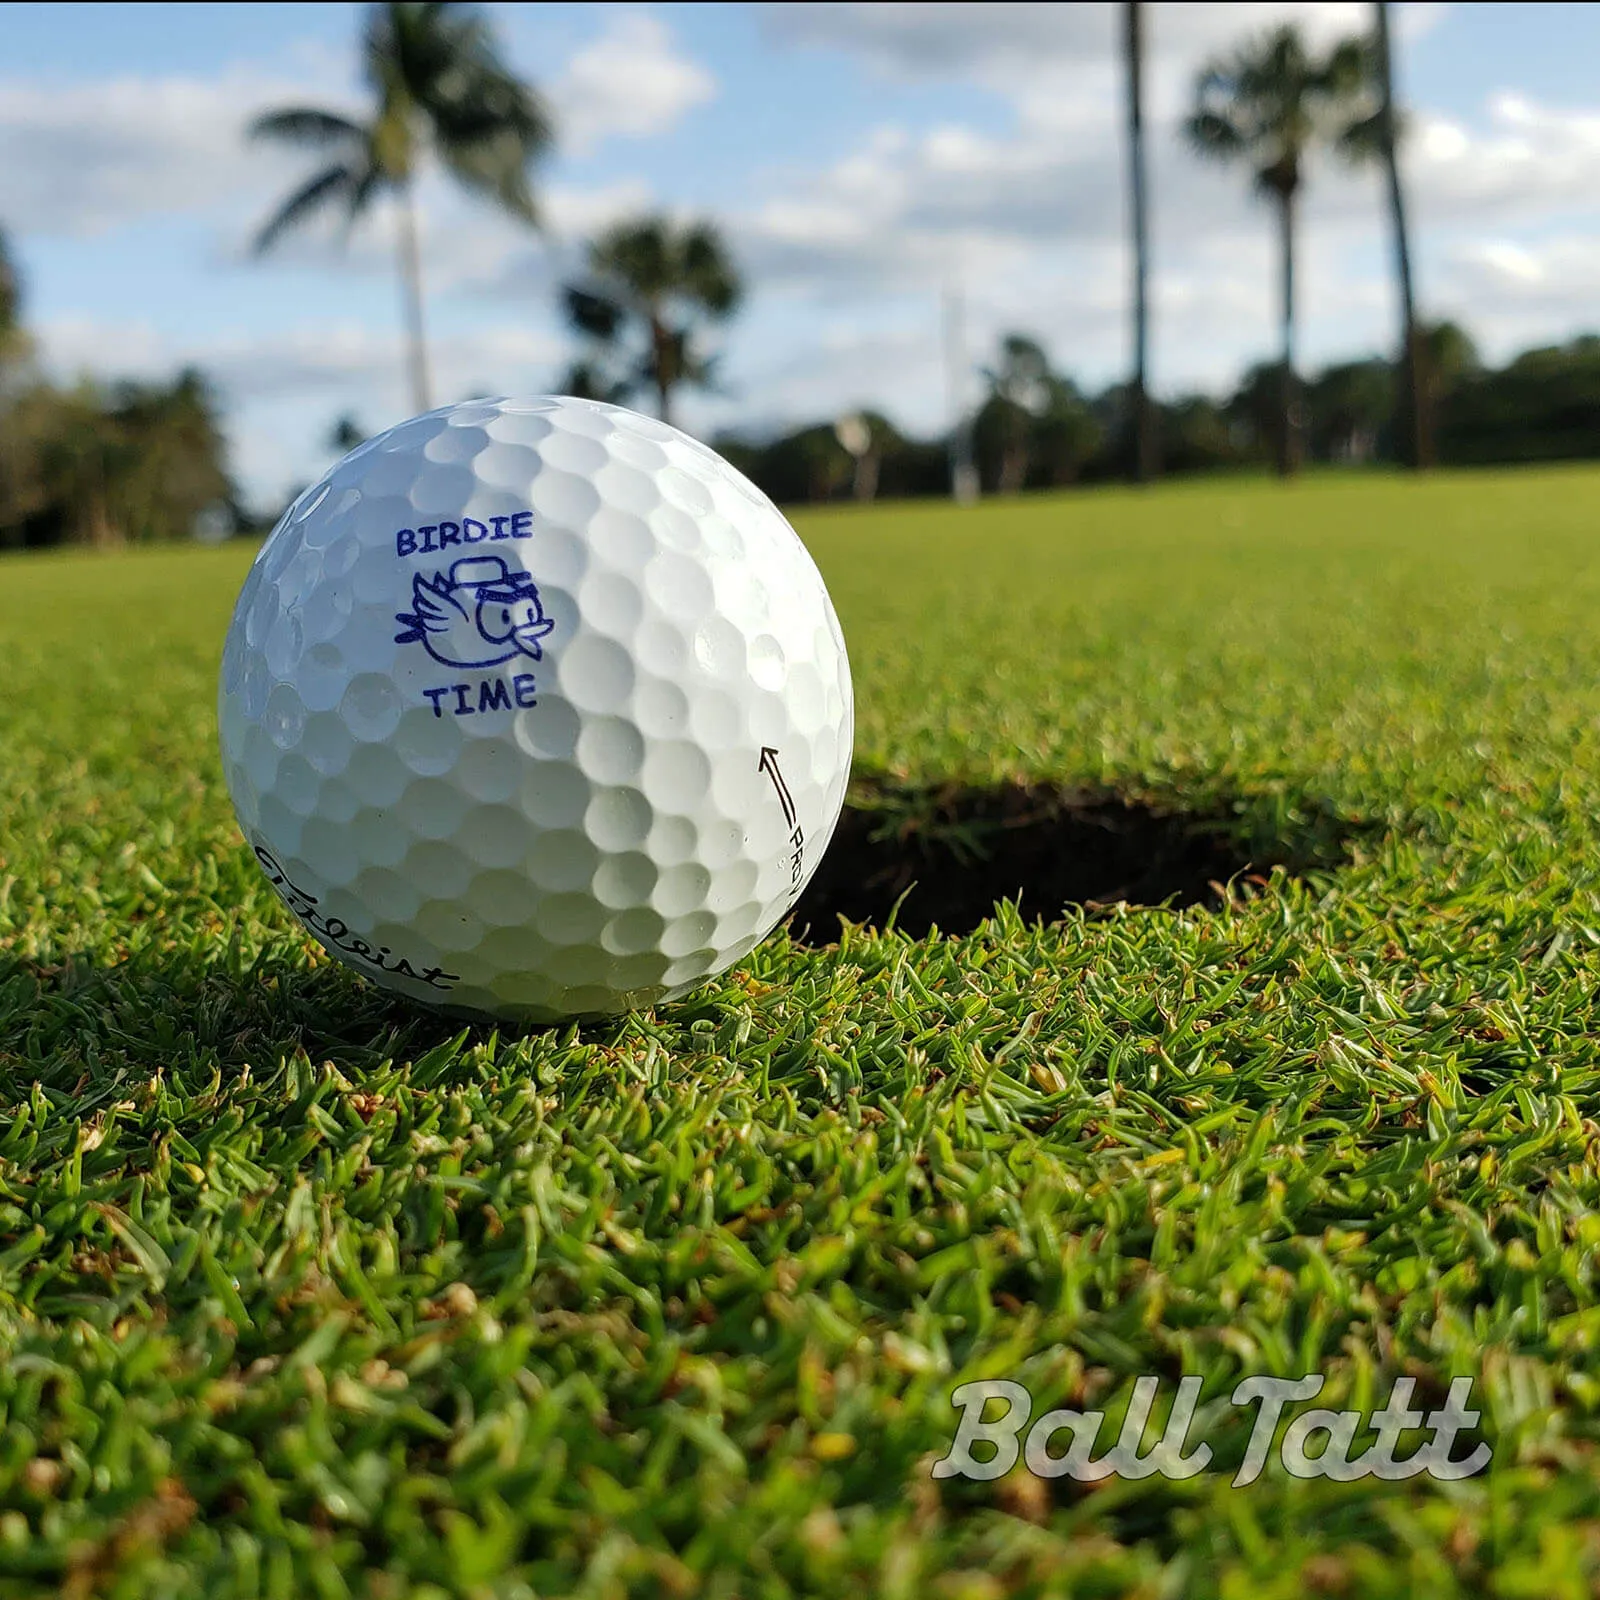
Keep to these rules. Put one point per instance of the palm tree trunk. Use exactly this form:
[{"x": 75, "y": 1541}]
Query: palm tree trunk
[
  {"x": 1288, "y": 384},
  {"x": 661, "y": 367},
  {"x": 1014, "y": 457},
  {"x": 411, "y": 300},
  {"x": 1415, "y": 430},
  {"x": 103, "y": 531},
  {"x": 1143, "y": 418}
]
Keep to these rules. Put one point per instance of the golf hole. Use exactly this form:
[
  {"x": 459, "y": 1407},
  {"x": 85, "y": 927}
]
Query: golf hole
[{"x": 944, "y": 857}]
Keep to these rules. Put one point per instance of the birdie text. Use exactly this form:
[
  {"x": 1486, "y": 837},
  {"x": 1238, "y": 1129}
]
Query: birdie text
[
  {"x": 487, "y": 694},
  {"x": 437, "y": 536}
]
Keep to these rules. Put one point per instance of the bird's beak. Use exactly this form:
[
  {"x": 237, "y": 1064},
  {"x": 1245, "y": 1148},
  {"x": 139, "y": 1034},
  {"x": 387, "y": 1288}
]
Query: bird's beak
[{"x": 530, "y": 633}]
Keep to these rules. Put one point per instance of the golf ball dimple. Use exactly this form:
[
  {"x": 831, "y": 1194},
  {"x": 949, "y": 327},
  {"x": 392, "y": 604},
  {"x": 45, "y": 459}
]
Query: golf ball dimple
[{"x": 535, "y": 709}]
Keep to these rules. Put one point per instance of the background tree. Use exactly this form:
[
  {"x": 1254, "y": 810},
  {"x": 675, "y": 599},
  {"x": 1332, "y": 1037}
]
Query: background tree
[
  {"x": 438, "y": 84},
  {"x": 1350, "y": 406},
  {"x": 1018, "y": 394},
  {"x": 1543, "y": 405},
  {"x": 868, "y": 436},
  {"x": 805, "y": 465},
  {"x": 1066, "y": 434},
  {"x": 651, "y": 288},
  {"x": 1034, "y": 427},
  {"x": 1449, "y": 355},
  {"x": 138, "y": 462},
  {"x": 1142, "y": 416},
  {"x": 101, "y": 466},
  {"x": 165, "y": 457},
  {"x": 13, "y": 361},
  {"x": 10, "y": 301},
  {"x": 345, "y": 434},
  {"x": 1268, "y": 105},
  {"x": 1198, "y": 435}
]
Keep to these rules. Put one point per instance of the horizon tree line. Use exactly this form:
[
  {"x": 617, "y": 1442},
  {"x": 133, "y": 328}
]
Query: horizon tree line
[{"x": 1542, "y": 405}]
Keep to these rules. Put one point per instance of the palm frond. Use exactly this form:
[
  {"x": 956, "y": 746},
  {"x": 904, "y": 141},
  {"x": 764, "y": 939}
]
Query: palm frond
[
  {"x": 707, "y": 272},
  {"x": 636, "y": 255},
  {"x": 436, "y": 66},
  {"x": 1363, "y": 140},
  {"x": 488, "y": 104},
  {"x": 316, "y": 194},
  {"x": 368, "y": 182},
  {"x": 307, "y": 126},
  {"x": 1351, "y": 67},
  {"x": 593, "y": 314},
  {"x": 413, "y": 46},
  {"x": 1280, "y": 175},
  {"x": 495, "y": 166},
  {"x": 1271, "y": 100},
  {"x": 1355, "y": 85},
  {"x": 1212, "y": 134}
]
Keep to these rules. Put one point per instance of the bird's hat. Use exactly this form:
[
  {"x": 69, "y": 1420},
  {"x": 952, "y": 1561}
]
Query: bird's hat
[{"x": 490, "y": 576}]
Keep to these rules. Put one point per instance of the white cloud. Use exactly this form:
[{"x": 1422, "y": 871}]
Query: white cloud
[
  {"x": 72, "y": 345},
  {"x": 468, "y": 247},
  {"x": 82, "y": 159},
  {"x": 842, "y": 367},
  {"x": 632, "y": 81},
  {"x": 1027, "y": 52},
  {"x": 1030, "y": 215},
  {"x": 1511, "y": 292},
  {"x": 1503, "y": 265},
  {"x": 1055, "y": 176},
  {"x": 1526, "y": 158},
  {"x": 310, "y": 357}
]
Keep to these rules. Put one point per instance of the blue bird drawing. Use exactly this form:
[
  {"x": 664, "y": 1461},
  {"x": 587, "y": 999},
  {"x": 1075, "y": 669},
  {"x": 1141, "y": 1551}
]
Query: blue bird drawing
[{"x": 476, "y": 615}]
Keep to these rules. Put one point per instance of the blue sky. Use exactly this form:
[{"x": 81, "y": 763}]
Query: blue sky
[{"x": 863, "y": 160}]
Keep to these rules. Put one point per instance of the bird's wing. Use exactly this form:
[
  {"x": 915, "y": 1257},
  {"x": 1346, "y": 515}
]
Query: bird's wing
[
  {"x": 436, "y": 605},
  {"x": 434, "y": 608}
]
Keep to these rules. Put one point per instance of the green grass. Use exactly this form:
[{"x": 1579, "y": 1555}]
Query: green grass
[{"x": 304, "y": 1293}]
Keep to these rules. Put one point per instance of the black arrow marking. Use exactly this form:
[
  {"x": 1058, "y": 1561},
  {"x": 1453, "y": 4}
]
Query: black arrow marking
[{"x": 769, "y": 765}]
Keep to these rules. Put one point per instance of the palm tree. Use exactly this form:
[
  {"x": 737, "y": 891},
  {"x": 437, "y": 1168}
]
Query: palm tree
[
  {"x": 1143, "y": 418},
  {"x": 661, "y": 281},
  {"x": 439, "y": 84},
  {"x": 1268, "y": 105},
  {"x": 345, "y": 434},
  {"x": 1416, "y": 430}
]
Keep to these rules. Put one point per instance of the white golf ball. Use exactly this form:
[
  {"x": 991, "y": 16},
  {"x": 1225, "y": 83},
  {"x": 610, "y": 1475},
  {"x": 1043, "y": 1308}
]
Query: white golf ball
[{"x": 536, "y": 708}]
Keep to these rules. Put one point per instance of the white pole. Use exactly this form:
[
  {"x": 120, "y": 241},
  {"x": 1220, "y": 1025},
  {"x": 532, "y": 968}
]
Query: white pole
[{"x": 963, "y": 474}]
